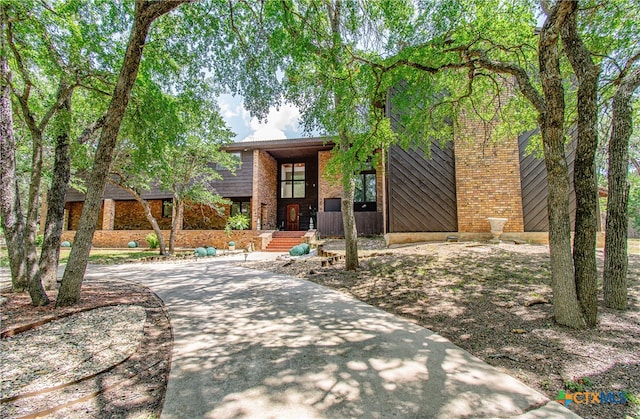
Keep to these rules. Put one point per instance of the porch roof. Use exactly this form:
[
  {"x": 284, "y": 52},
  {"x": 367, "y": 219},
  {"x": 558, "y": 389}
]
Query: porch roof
[{"x": 285, "y": 148}]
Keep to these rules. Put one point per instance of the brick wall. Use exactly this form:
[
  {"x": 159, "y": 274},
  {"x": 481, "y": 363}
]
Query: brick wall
[
  {"x": 74, "y": 210},
  {"x": 327, "y": 188},
  {"x": 487, "y": 179},
  {"x": 129, "y": 215},
  {"x": 188, "y": 239},
  {"x": 108, "y": 214},
  {"x": 265, "y": 191},
  {"x": 203, "y": 217}
]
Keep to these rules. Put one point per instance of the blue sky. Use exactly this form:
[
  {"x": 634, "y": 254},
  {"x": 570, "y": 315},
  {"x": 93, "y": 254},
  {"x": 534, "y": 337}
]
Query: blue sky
[{"x": 280, "y": 123}]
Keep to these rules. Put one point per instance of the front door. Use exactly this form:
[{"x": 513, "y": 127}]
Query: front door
[{"x": 293, "y": 217}]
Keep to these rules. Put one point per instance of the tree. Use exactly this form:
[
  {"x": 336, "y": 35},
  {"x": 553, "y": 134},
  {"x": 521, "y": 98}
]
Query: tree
[
  {"x": 584, "y": 168},
  {"x": 172, "y": 141},
  {"x": 145, "y": 13},
  {"x": 314, "y": 42}
]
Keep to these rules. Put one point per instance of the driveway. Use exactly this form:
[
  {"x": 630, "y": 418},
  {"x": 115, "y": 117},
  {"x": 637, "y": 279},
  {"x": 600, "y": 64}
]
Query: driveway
[{"x": 261, "y": 345}]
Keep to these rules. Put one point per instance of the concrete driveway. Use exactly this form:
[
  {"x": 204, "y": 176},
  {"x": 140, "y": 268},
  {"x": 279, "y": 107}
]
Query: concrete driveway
[{"x": 260, "y": 345}]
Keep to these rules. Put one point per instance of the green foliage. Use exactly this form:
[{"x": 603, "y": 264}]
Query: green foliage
[
  {"x": 305, "y": 247},
  {"x": 232, "y": 243},
  {"x": 238, "y": 222},
  {"x": 132, "y": 244},
  {"x": 39, "y": 240},
  {"x": 200, "y": 252},
  {"x": 211, "y": 251},
  {"x": 152, "y": 240},
  {"x": 65, "y": 244}
]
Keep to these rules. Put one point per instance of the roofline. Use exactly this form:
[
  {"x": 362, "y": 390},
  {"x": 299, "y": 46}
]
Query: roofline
[{"x": 278, "y": 144}]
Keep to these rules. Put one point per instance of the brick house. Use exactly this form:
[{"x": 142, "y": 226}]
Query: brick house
[{"x": 281, "y": 185}]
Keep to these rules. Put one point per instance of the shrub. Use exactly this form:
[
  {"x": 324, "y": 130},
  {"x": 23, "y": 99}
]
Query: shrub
[
  {"x": 306, "y": 248},
  {"x": 65, "y": 244},
  {"x": 238, "y": 222},
  {"x": 153, "y": 241},
  {"x": 39, "y": 240},
  {"x": 297, "y": 250},
  {"x": 132, "y": 244},
  {"x": 232, "y": 243},
  {"x": 211, "y": 251},
  {"x": 200, "y": 252}
]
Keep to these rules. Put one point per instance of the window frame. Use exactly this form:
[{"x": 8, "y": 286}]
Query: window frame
[
  {"x": 293, "y": 181},
  {"x": 367, "y": 204}
]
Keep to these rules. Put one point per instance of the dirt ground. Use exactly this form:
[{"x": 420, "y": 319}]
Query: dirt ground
[{"x": 495, "y": 302}]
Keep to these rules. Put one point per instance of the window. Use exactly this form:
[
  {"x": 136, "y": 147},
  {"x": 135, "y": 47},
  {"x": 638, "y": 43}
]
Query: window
[
  {"x": 332, "y": 205},
  {"x": 365, "y": 191},
  {"x": 292, "y": 180},
  {"x": 167, "y": 207},
  {"x": 235, "y": 155},
  {"x": 241, "y": 206}
]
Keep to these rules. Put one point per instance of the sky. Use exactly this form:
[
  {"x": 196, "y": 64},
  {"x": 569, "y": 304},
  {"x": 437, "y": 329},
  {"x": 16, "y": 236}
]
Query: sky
[{"x": 280, "y": 123}]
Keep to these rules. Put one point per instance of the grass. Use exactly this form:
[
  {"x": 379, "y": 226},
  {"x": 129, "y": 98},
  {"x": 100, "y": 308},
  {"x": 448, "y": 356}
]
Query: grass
[{"x": 97, "y": 256}]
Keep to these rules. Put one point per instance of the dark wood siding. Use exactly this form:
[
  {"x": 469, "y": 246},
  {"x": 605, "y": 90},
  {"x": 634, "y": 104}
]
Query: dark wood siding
[
  {"x": 309, "y": 203},
  {"x": 422, "y": 191},
  {"x": 367, "y": 223},
  {"x": 533, "y": 178},
  {"x": 240, "y": 185}
]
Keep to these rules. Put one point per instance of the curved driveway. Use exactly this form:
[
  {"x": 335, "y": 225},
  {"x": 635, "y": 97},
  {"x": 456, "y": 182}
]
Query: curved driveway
[{"x": 261, "y": 345}]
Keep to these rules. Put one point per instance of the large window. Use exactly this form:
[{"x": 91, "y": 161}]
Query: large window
[
  {"x": 365, "y": 191},
  {"x": 167, "y": 207},
  {"x": 292, "y": 180}
]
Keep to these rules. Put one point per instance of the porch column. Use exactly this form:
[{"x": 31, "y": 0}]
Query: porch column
[{"x": 108, "y": 214}]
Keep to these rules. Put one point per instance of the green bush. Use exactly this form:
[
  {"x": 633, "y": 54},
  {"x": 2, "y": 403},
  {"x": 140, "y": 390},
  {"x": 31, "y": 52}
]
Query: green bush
[
  {"x": 152, "y": 240},
  {"x": 306, "y": 248},
  {"x": 211, "y": 251},
  {"x": 65, "y": 244},
  {"x": 297, "y": 250},
  {"x": 232, "y": 244},
  {"x": 39, "y": 240},
  {"x": 132, "y": 244},
  {"x": 238, "y": 222},
  {"x": 200, "y": 252}
]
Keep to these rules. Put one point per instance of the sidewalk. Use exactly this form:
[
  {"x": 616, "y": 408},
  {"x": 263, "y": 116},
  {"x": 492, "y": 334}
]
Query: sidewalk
[{"x": 256, "y": 344}]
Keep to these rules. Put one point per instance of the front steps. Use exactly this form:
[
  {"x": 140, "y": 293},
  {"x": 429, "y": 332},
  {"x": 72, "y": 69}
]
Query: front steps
[{"x": 282, "y": 241}]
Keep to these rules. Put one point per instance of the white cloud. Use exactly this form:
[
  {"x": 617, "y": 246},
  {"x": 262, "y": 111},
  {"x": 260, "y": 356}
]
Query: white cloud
[{"x": 277, "y": 122}]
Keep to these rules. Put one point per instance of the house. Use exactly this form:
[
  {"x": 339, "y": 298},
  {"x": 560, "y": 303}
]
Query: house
[{"x": 281, "y": 185}]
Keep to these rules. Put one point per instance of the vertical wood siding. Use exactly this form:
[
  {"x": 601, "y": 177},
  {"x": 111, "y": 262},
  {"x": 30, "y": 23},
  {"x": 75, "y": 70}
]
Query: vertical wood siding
[
  {"x": 367, "y": 223},
  {"x": 422, "y": 191},
  {"x": 533, "y": 178}
]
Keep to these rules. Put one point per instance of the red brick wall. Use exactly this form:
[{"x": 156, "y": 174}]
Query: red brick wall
[
  {"x": 74, "y": 210},
  {"x": 487, "y": 179},
  {"x": 265, "y": 191},
  {"x": 188, "y": 239}
]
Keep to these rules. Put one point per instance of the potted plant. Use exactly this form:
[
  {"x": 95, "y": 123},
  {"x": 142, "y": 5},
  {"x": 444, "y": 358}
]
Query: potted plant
[{"x": 235, "y": 222}]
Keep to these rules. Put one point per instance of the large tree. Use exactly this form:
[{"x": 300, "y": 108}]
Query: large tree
[{"x": 145, "y": 13}]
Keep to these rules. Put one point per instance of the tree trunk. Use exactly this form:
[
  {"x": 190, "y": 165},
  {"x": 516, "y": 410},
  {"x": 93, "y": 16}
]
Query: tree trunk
[
  {"x": 145, "y": 13},
  {"x": 147, "y": 212},
  {"x": 177, "y": 213},
  {"x": 50, "y": 254},
  {"x": 10, "y": 209},
  {"x": 584, "y": 170},
  {"x": 348, "y": 215},
  {"x": 566, "y": 307},
  {"x": 616, "y": 260}
]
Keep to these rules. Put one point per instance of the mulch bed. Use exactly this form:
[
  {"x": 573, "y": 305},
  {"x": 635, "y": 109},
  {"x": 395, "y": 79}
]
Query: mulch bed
[{"x": 134, "y": 388}]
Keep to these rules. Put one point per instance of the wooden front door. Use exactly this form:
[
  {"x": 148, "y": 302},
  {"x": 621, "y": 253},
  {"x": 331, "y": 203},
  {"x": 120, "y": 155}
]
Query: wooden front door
[{"x": 293, "y": 217}]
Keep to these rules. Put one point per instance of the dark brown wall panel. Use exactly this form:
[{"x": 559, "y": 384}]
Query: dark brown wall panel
[
  {"x": 533, "y": 177},
  {"x": 422, "y": 191}
]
